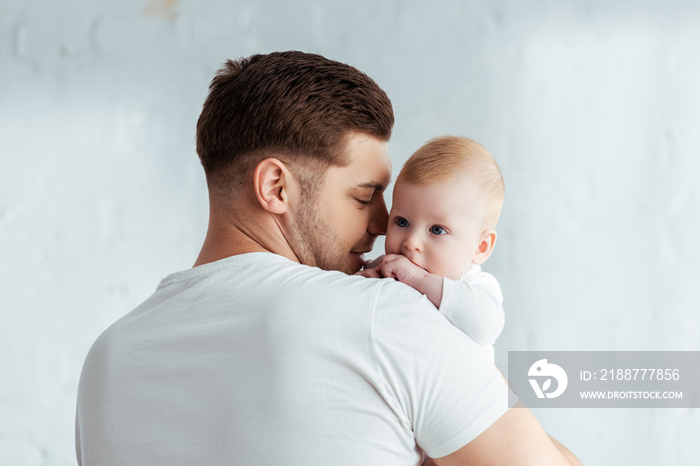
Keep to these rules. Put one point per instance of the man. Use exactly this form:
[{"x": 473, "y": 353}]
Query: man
[{"x": 257, "y": 355}]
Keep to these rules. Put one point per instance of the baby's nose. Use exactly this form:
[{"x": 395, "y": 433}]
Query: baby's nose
[{"x": 412, "y": 243}]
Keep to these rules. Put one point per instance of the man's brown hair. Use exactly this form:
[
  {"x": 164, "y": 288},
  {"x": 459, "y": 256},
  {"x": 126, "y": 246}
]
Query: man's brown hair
[{"x": 298, "y": 105}]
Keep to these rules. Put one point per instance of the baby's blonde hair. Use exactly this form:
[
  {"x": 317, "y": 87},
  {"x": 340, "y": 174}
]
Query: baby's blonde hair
[{"x": 444, "y": 157}]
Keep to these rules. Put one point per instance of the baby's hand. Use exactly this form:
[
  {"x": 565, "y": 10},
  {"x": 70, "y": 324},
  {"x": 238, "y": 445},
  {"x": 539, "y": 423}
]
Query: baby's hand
[
  {"x": 401, "y": 268},
  {"x": 370, "y": 270},
  {"x": 374, "y": 263},
  {"x": 369, "y": 273},
  {"x": 405, "y": 271}
]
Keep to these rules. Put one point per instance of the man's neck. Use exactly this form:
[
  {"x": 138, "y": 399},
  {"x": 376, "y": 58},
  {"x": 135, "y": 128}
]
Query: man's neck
[
  {"x": 216, "y": 248},
  {"x": 225, "y": 239}
]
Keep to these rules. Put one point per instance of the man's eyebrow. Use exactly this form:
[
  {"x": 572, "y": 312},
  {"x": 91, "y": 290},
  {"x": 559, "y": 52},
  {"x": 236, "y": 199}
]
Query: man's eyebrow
[{"x": 372, "y": 184}]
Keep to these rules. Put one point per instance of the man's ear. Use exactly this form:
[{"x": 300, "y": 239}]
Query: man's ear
[
  {"x": 485, "y": 248},
  {"x": 271, "y": 183}
]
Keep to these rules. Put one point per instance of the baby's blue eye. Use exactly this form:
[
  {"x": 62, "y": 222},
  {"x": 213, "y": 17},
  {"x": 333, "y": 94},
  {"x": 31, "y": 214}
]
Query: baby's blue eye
[
  {"x": 401, "y": 222},
  {"x": 437, "y": 230}
]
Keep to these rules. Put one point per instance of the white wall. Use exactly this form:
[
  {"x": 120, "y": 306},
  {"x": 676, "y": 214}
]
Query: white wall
[{"x": 591, "y": 108}]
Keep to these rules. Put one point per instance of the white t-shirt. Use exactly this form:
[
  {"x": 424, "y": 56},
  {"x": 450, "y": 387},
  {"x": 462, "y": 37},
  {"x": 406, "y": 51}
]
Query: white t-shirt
[
  {"x": 474, "y": 304},
  {"x": 256, "y": 359}
]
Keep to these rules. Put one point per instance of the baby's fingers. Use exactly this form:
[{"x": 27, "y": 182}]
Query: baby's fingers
[
  {"x": 391, "y": 258},
  {"x": 374, "y": 263},
  {"x": 389, "y": 268},
  {"x": 369, "y": 273}
]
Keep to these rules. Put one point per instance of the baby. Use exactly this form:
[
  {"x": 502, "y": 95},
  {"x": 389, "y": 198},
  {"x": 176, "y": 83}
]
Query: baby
[{"x": 447, "y": 201}]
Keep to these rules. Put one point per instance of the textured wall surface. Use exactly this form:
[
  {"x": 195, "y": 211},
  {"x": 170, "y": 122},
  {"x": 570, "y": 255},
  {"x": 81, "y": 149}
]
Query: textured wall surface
[{"x": 591, "y": 108}]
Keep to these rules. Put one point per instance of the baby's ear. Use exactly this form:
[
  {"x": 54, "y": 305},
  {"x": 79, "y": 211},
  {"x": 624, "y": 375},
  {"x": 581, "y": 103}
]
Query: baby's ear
[{"x": 485, "y": 247}]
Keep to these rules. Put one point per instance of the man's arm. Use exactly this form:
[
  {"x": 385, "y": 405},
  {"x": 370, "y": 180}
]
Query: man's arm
[
  {"x": 448, "y": 391},
  {"x": 515, "y": 439},
  {"x": 565, "y": 451}
]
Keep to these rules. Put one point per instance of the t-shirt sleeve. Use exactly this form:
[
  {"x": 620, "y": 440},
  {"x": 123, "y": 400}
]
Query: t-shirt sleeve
[
  {"x": 474, "y": 306},
  {"x": 440, "y": 381}
]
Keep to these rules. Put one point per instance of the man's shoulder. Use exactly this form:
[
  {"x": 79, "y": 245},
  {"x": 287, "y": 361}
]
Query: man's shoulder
[
  {"x": 386, "y": 294},
  {"x": 289, "y": 274},
  {"x": 395, "y": 295}
]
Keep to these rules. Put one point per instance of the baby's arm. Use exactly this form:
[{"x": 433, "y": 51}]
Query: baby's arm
[{"x": 475, "y": 306}]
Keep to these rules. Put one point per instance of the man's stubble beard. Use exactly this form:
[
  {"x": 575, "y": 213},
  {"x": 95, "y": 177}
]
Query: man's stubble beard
[{"x": 316, "y": 243}]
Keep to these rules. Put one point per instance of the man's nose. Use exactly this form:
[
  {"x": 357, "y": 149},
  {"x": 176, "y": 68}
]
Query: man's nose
[{"x": 379, "y": 217}]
